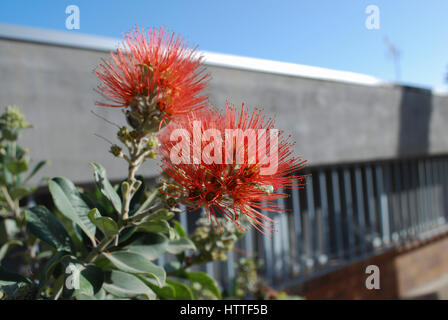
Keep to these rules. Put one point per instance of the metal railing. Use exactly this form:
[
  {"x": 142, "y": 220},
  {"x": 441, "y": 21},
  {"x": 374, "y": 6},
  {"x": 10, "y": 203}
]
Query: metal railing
[{"x": 346, "y": 213}]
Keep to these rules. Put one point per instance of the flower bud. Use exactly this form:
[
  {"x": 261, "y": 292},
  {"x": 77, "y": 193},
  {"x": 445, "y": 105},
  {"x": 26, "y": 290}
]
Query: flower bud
[
  {"x": 152, "y": 155},
  {"x": 153, "y": 142},
  {"x": 171, "y": 202},
  {"x": 123, "y": 134},
  {"x": 125, "y": 187},
  {"x": 116, "y": 151}
]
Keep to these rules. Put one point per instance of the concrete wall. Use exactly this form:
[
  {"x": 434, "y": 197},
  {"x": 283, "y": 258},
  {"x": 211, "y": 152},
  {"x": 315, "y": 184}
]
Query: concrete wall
[{"x": 331, "y": 121}]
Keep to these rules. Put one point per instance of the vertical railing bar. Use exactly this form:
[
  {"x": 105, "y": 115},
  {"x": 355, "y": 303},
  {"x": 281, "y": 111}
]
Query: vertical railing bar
[
  {"x": 436, "y": 184},
  {"x": 434, "y": 191},
  {"x": 407, "y": 199},
  {"x": 297, "y": 226},
  {"x": 209, "y": 266},
  {"x": 183, "y": 218},
  {"x": 382, "y": 206},
  {"x": 323, "y": 258},
  {"x": 445, "y": 183},
  {"x": 268, "y": 254},
  {"x": 430, "y": 194},
  {"x": 349, "y": 212},
  {"x": 360, "y": 208},
  {"x": 311, "y": 230},
  {"x": 375, "y": 240},
  {"x": 161, "y": 260},
  {"x": 415, "y": 215},
  {"x": 230, "y": 271},
  {"x": 249, "y": 242},
  {"x": 399, "y": 200},
  {"x": 337, "y": 214},
  {"x": 284, "y": 232},
  {"x": 318, "y": 225},
  {"x": 441, "y": 191},
  {"x": 277, "y": 248},
  {"x": 393, "y": 217},
  {"x": 423, "y": 216}
]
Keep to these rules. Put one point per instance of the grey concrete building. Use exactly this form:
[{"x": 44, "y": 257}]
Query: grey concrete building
[
  {"x": 333, "y": 116},
  {"x": 378, "y": 151}
]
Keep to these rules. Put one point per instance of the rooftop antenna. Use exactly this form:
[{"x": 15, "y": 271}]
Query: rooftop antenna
[{"x": 395, "y": 54}]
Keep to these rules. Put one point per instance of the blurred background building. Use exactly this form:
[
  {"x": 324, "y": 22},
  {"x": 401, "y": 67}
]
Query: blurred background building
[{"x": 377, "y": 152}]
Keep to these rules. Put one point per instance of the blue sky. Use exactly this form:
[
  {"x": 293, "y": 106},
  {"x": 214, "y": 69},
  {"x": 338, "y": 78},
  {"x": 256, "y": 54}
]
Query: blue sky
[{"x": 324, "y": 33}]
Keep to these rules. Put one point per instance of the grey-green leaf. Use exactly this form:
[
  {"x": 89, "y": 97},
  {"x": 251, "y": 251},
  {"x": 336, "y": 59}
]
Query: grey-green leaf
[
  {"x": 4, "y": 248},
  {"x": 35, "y": 170},
  {"x": 49, "y": 267},
  {"x": 8, "y": 277},
  {"x": 69, "y": 201},
  {"x": 44, "y": 225},
  {"x": 180, "y": 245},
  {"x": 133, "y": 262},
  {"x": 17, "y": 166},
  {"x": 148, "y": 202},
  {"x": 106, "y": 188},
  {"x": 106, "y": 224},
  {"x": 165, "y": 292},
  {"x": 206, "y": 282},
  {"x": 90, "y": 278},
  {"x": 182, "y": 291},
  {"x": 151, "y": 246},
  {"x": 125, "y": 285}
]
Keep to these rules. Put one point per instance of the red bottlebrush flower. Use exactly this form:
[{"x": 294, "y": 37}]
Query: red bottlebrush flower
[
  {"x": 231, "y": 164},
  {"x": 156, "y": 67}
]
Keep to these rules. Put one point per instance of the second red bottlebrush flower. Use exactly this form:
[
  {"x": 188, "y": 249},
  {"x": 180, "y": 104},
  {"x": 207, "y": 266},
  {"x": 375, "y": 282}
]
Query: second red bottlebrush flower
[
  {"x": 231, "y": 164},
  {"x": 153, "y": 69}
]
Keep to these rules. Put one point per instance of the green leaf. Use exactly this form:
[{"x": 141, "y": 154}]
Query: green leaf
[
  {"x": 17, "y": 166},
  {"x": 151, "y": 245},
  {"x": 161, "y": 214},
  {"x": 49, "y": 267},
  {"x": 155, "y": 226},
  {"x": 36, "y": 169},
  {"x": 165, "y": 292},
  {"x": 21, "y": 192},
  {"x": 182, "y": 291},
  {"x": 180, "y": 245},
  {"x": 132, "y": 262},
  {"x": 179, "y": 230},
  {"x": 101, "y": 295},
  {"x": 4, "y": 248},
  {"x": 88, "y": 281},
  {"x": 105, "y": 186},
  {"x": 44, "y": 225},
  {"x": 125, "y": 285},
  {"x": 8, "y": 277},
  {"x": 69, "y": 201},
  {"x": 107, "y": 225},
  {"x": 206, "y": 282},
  {"x": 148, "y": 201}
]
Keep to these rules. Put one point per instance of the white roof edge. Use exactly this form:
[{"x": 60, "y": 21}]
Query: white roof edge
[
  {"x": 62, "y": 38},
  {"x": 85, "y": 41},
  {"x": 290, "y": 69},
  {"x": 440, "y": 90}
]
